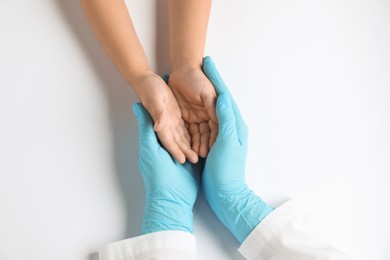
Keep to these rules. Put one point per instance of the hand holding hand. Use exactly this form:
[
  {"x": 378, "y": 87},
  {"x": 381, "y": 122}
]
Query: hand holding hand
[
  {"x": 159, "y": 100},
  {"x": 171, "y": 188},
  {"x": 196, "y": 98}
]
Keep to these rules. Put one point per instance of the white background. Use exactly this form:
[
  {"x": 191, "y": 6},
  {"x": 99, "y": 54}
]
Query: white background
[{"x": 312, "y": 79}]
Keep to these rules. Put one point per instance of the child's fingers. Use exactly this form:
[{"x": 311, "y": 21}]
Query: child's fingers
[
  {"x": 171, "y": 146},
  {"x": 189, "y": 154},
  {"x": 184, "y": 133},
  {"x": 176, "y": 152},
  {"x": 214, "y": 132},
  {"x": 195, "y": 137},
  {"x": 204, "y": 139},
  {"x": 184, "y": 142}
]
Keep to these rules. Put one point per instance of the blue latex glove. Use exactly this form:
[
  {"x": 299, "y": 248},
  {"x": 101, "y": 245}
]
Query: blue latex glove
[
  {"x": 171, "y": 188},
  {"x": 223, "y": 179}
]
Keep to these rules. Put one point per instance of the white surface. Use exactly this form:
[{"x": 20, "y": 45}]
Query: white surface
[{"x": 311, "y": 78}]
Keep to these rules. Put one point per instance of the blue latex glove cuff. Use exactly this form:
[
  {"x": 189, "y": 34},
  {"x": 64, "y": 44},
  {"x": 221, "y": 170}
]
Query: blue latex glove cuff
[
  {"x": 166, "y": 210},
  {"x": 238, "y": 208}
]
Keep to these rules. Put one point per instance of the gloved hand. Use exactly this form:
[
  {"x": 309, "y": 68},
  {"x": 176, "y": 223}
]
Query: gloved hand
[
  {"x": 171, "y": 187},
  {"x": 223, "y": 179}
]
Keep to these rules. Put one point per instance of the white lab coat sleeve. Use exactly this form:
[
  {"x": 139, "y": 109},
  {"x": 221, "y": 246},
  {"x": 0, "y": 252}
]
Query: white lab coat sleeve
[
  {"x": 289, "y": 232},
  {"x": 163, "y": 245}
]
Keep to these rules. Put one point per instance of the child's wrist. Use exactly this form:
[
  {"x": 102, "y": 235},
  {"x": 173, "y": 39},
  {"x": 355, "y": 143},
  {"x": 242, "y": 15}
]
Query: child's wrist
[
  {"x": 137, "y": 80},
  {"x": 186, "y": 65},
  {"x": 185, "y": 71},
  {"x": 135, "y": 76}
]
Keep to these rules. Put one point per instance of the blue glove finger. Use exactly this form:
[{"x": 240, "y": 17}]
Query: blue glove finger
[
  {"x": 213, "y": 75},
  {"x": 226, "y": 120},
  {"x": 146, "y": 130}
]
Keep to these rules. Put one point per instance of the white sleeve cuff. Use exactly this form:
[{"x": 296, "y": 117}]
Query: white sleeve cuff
[
  {"x": 289, "y": 232},
  {"x": 161, "y": 245},
  {"x": 258, "y": 240}
]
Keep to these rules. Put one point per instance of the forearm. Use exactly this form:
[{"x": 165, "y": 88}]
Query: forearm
[
  {"x": 114, "y": 29},
  {"x": 188, "y": 21}
]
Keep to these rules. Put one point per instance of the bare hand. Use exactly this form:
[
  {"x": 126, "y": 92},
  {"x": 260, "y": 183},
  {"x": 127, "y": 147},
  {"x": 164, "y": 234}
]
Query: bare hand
[
  {"x": 196, "y": 98},
  {"x": 161, "y": 104}
]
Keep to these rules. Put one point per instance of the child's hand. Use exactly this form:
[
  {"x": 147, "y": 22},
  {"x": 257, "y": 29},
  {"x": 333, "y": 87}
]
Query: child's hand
[
  {"x": 161, "y": 104},
  {"x": 196, "y": 98}
]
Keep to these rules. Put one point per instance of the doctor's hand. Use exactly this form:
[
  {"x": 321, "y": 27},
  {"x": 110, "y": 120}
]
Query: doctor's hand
[
  {"x": 171, "y": 188},
  {"x": 196, "y": 98},
  {"x": 223, "y": 179}
]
